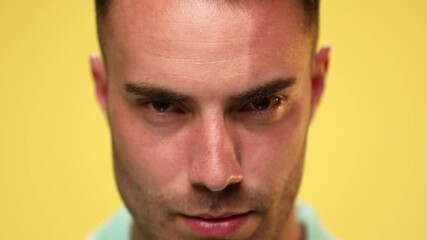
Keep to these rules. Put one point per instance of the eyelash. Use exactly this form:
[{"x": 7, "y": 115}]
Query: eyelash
[
  {"x": 279, "y": 100},
  {"x": 147, "y": 103},
  {"x": 275, "y": 101}
]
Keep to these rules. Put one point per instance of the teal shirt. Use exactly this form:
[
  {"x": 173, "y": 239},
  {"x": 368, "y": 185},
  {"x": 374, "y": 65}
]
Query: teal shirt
[{"x": 119, "y": 227}]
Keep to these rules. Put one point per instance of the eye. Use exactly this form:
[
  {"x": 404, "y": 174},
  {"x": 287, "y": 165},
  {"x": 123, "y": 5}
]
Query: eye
[
  {"x": 160, "y": 106},
  {"x": 262, "y": 103}
]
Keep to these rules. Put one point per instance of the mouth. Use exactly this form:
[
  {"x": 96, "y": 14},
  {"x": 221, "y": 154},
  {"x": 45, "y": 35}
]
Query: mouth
[{"x": 221, "y": 225}]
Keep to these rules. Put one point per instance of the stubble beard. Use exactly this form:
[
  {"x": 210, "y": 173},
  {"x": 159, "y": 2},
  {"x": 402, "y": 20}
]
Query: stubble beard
[{"x": 153, "y": 210}]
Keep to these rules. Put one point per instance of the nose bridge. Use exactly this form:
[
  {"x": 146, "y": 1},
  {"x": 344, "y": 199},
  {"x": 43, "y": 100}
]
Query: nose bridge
[
  {"x": 218, "y": 139},
  {"x": 215, "y": 163}
]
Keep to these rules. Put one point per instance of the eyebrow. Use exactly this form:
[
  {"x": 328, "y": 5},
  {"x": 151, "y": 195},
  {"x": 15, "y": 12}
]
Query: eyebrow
[
  {"x": 272, "y": 87},
  {"x": 160, "y": 93},
  {"x": 154, "y": 92}
]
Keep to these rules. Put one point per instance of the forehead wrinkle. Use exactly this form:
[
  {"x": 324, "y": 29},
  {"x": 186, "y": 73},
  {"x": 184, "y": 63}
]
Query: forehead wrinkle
[
  {"x": 260, "y": 29},
  {"x": 201, "y": 61},
  {"x": 178, "y": 26},
  {"x": 255, "y": 20}
]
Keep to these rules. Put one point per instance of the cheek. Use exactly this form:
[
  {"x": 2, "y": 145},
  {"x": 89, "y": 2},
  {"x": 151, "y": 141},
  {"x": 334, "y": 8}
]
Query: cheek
[
  {"x": 273, "y": 154},
  {"x": 149, "y": 159}
]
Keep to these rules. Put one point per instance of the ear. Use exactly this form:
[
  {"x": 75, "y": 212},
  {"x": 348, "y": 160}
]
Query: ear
[
  {"x": 320, "y": 68},
  {"x": 100, "y": 80}
]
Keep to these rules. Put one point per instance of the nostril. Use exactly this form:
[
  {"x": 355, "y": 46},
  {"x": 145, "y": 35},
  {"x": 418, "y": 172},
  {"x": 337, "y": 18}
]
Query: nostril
[
  {"x": 234, "y": 179},
  {"x": 216, "y": 189}
]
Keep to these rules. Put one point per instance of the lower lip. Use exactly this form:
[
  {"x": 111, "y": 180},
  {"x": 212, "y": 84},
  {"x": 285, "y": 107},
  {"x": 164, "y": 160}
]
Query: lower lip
[{"x": 222, "y": 227}]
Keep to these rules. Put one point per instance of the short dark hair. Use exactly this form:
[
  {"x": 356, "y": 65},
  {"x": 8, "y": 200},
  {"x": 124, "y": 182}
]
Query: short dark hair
[{"x": 311, "y": 10}]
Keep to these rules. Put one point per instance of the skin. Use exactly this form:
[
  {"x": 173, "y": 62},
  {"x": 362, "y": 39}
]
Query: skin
[{"x": 202, "y": 148}]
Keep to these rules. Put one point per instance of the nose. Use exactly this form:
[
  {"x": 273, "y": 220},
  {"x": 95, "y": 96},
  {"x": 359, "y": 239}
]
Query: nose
[{"x": 214, "y": 161}]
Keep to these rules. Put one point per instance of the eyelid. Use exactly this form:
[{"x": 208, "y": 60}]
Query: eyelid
[
  {"x": 267, "y": 93},
  {"x": 176, "y": 105},
  {"x": 245, "y": 106},
  {"x": 260, "y": 96}
]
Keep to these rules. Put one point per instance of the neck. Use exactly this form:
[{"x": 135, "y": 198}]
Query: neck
[
  {"x": 136, "y": 235},
  {"x": 292, "y": 230}
]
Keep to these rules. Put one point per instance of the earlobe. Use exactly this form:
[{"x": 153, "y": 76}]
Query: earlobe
[
  {"x": 100, "y": 79},
  {"x": 320, "y": 68}
]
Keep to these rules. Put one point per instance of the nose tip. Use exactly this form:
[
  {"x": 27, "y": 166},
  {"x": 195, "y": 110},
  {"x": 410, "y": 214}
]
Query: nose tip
[
  {"x": 230, "y": 181},
  {"x": 215, "y": 164},
  {"x": 216, "y": 170}
]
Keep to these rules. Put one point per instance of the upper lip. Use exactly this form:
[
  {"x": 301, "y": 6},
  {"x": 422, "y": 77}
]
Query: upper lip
[{"x": 210, "y": 216}]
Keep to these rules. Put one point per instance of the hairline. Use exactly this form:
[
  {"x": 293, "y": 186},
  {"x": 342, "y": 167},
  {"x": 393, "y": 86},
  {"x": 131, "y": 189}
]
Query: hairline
[{"x": 310, "y": 10}]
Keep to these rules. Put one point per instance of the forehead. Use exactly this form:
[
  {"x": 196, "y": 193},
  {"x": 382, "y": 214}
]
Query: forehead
[
  {"x": 199, "y": 38},
  {"x": 189, "y": 19}
]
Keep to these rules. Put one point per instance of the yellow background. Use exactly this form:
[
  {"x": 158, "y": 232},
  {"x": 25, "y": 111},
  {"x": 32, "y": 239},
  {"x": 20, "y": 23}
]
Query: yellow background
[{"x": 366, "y": 164}]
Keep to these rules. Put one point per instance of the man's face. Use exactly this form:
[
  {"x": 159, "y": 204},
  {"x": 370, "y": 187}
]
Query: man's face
[{"x": 209, "y": 106}]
